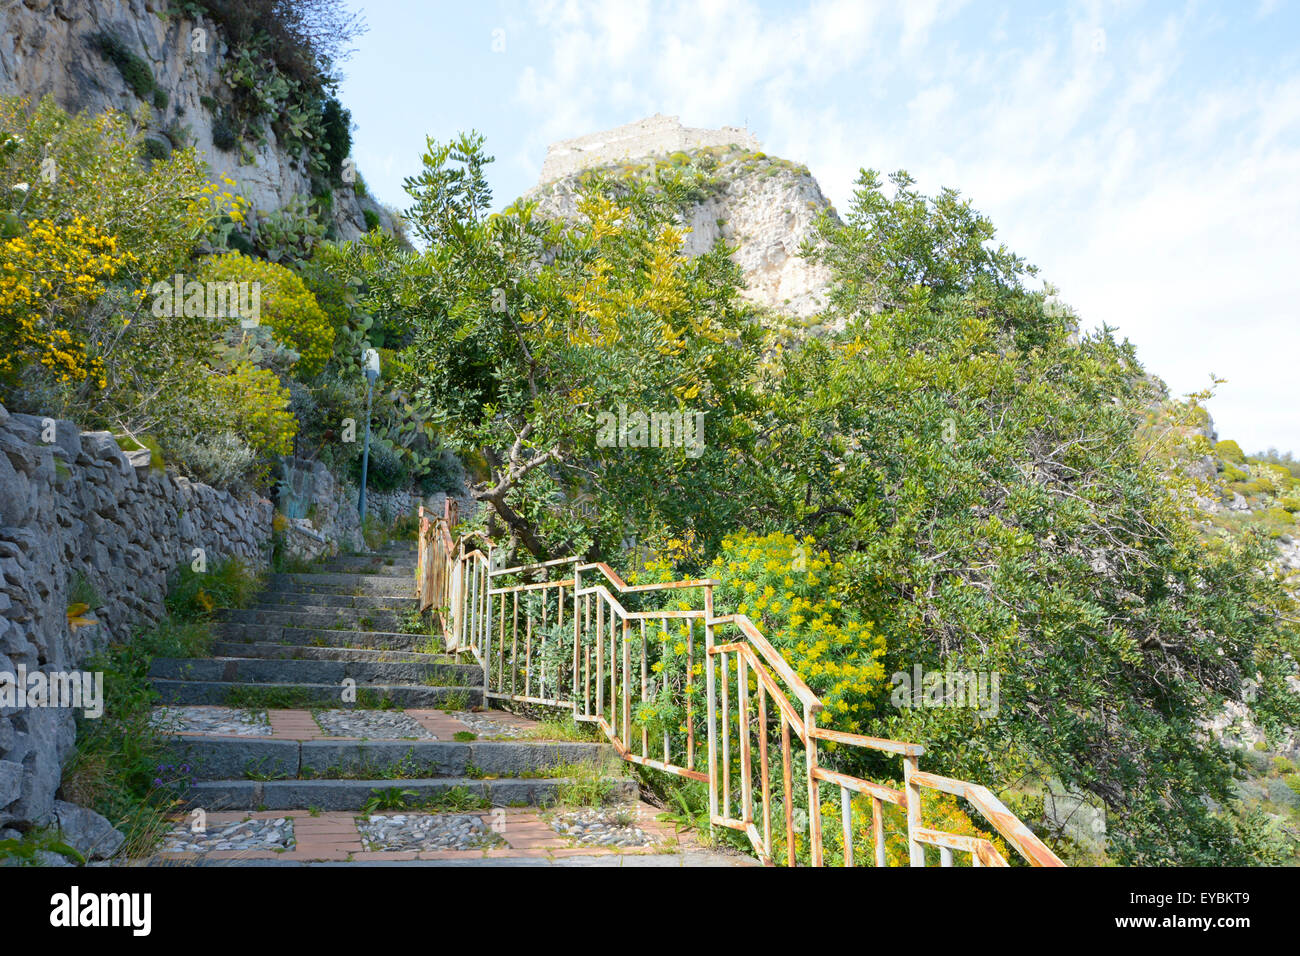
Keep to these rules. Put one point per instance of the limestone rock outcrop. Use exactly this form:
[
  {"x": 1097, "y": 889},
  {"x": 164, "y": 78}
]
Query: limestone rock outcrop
[
  {"x": 47, "y": 48},
  {"x": 764, "y": 206}
]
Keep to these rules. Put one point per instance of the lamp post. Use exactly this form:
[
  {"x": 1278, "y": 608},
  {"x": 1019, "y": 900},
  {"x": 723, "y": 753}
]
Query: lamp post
[{"x": 371, "y": 361}]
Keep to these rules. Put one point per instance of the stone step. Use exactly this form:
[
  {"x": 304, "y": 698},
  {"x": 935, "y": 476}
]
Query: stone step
[
  {"x": 353, "y": 794},
  {"x": 234, "y": 668},
  {"x": 331, "y": 618},
  {"x": 229, "y": 631},
  {"x": 327, "y": 599},
  {"x": 336, "y": 583},
  {"x": 309, "y": 652},
  {"x": 243, "y": 758},
  {"x": 288, "y": 694},
  {"x": 364, "y": 563}
]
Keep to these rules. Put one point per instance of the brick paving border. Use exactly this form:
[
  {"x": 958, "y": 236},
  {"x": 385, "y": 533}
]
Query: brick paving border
[
  {"x": 293, "y": 724},
  {"x": 334, "y": 836}
]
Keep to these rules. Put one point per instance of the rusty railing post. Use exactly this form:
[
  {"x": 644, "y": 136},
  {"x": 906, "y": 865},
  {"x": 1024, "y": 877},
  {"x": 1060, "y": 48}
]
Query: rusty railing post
[
  {"x": 486, "y": 649},
  {"x": 915, "y": 850},
  {"x": 577, "y": 634},
  {"x": 814, "y": 795},
  {"x": 710, "y": 690}
]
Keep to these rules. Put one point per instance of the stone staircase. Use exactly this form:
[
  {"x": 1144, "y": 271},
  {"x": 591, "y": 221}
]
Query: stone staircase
[
  {"x": 286, "y": 771},
  {"x": 417, "y": 723}
]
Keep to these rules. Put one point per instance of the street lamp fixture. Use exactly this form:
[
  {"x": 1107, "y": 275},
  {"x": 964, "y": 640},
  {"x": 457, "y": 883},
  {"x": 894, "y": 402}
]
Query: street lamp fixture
[{"x": 370, "y": 363}]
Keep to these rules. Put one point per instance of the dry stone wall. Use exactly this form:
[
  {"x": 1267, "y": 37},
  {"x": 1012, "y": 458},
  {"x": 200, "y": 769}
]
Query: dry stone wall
[{"x": 80, "y": 506}]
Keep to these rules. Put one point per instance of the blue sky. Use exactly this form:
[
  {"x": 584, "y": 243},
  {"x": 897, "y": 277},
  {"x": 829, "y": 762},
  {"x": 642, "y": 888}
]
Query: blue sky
[{"x": 1145, "y": 155}]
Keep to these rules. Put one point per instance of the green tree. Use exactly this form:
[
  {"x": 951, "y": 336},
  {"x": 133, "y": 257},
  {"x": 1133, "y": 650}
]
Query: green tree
[
  {"x": 975, "y": 459},
  {"x": 527, "y": 335}
]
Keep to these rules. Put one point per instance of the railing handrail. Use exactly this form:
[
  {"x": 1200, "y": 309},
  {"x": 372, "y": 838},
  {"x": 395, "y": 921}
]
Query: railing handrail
[{"x": 466, "y": 584}]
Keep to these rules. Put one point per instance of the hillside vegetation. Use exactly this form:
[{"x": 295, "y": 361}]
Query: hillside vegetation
[{"x": 950, "y": 476}]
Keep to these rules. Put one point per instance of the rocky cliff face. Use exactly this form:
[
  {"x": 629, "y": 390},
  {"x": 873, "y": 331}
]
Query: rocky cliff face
[
  {"x": 47, "y": 47},
  {"x": 764, "y": 206}
]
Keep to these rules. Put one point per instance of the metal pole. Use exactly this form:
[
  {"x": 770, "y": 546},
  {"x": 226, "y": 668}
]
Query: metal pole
[{"x": 365, "y": 452}]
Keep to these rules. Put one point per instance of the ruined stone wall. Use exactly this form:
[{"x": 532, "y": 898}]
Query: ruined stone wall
[{"x": 654, "y": 136}]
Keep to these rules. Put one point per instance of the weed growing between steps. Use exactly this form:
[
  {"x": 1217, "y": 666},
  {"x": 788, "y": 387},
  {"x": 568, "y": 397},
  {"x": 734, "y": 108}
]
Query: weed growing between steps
[
  {"x": 563, "y": 728},
  {"x": 194, "y": 596},
  {"x": 443, "y": 678},
  {"x": 584, "y": 784},
  {"x": 454, "y": 702},
  {"x": 685, "y": 805},
  {"x": 120, "y": 766},
  {"x": 452, "y": 799}
]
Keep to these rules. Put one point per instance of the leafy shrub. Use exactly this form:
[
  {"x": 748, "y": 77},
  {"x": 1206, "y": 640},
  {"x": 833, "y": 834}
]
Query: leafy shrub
[
  {"x": 194, "y": 595},
  {"x": 154, "y": 149},
  {"x": 336, "y": 126},
  {"x": 445, "y": 474},
  {"x": 263, "y": 407},
  {"x": 223, "y": 134},
  {"x": 372, "y": 219},
  {"x": 1279, "y": 516},
  {"x": 387, "y": 470},
  {"x": 135, "y": 71},
  {"x": 287, "y": 307},
  {"x": 84, "y": 250},
  {"x": 1229, "y": 450},
  {"x": 799, "y": 597},
  {"x": 240, "y": 243},
  {"x": 222, "y": 459},
  {"x": 52, "y": 269}
]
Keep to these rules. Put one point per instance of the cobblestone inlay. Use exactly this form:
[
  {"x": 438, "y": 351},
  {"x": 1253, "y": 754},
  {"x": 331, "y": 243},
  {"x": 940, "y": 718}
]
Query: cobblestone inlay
[
  {"x": 372, "y": 725},
  {"x": 601, "y": 827},
  {"x": 232, "y": 721},
  {"x": 486, "y": 726},
  {"x": 426, "y": 831},
  {"x": 276, "y": 834}
]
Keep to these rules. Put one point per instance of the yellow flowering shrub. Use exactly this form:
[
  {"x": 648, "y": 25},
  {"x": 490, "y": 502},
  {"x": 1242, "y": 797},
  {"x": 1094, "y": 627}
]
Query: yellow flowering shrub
[
  {"x": 797, "y": 597},
  {"x": 287, "y": 307},
  {"x": 260, "y": 404},
  {"x": 46, "y": 273}
]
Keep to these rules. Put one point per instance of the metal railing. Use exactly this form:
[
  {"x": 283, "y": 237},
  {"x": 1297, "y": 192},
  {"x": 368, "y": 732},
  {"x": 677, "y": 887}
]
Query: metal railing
[{"x": 749, "y": 732}]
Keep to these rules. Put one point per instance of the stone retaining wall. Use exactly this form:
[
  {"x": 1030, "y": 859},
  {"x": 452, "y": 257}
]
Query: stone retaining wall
[{"x": 79, "y": 505}]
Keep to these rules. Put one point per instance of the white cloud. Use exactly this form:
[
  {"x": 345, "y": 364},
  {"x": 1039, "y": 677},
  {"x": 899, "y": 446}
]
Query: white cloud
[{"x": 1161, "y": 198}]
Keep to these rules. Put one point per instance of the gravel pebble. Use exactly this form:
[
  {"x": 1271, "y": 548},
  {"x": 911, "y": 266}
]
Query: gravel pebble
[
  {"x": 231, "y": 721},
  {"x": 600, "y": 827},
  {"x": 486, "y": 726},
  {"x": 426, "y": 831},
  {"x": 372, "y": 725},
  {"x": 240, "y": 835}
]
